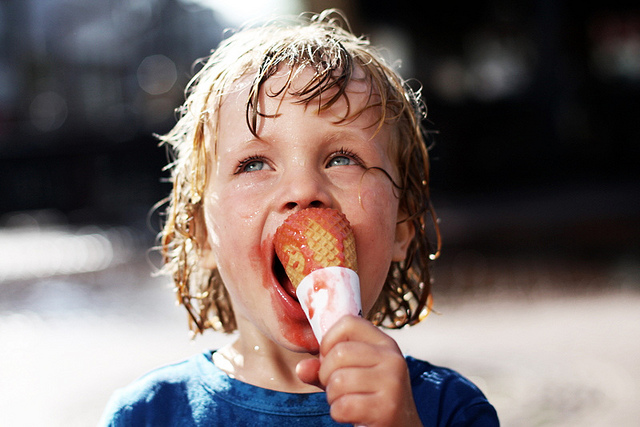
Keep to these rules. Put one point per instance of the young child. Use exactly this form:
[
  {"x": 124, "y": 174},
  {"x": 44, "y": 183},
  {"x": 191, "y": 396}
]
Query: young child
[{"x": 283, "y": 117}]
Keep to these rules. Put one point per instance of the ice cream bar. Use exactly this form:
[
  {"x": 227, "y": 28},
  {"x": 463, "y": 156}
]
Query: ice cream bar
[{"x": 317, "y": 248}]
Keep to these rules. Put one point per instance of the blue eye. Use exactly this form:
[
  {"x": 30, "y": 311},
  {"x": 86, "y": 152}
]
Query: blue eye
[
  {"x": 251, "y": 164},
  {"x": 340, "y": 161},
  {"x": 344, "y": 157},
  {"x": 256, "y": 165}
]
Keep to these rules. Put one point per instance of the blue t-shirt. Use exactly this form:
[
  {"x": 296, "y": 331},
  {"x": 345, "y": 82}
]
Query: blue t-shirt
[{"x": 196, "y": 393}]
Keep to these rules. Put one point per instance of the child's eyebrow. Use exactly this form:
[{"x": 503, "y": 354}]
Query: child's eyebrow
[
  {"x": 345, "y": 135},
  {"x": 255, "y": 142},
  {"x": 349, "y": 135},
  {"x": 249, "y": 144}
]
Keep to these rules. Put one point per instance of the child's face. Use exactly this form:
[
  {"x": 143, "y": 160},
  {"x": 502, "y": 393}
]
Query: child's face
[{"x": 301, "y": 159}]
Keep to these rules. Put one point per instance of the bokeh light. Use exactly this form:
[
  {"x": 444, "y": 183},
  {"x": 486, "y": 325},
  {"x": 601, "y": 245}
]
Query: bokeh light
[{"x": 157, "y": 74}]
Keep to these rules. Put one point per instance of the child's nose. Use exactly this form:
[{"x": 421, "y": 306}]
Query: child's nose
[{"x": 304, "y": 189}]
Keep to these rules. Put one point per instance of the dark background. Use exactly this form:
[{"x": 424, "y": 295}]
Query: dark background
[{"x": 536, "y": 105}]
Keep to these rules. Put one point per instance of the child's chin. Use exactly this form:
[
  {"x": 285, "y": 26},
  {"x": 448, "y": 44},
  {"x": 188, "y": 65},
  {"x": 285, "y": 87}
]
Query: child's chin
[
  {"x": 312, "y": 348},
  {"x": 314, "y": 351},
  {"x": 302, "y": 341}
]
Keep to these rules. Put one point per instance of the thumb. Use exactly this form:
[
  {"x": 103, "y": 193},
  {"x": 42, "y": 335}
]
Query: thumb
[{"x": 307, "y": 370}]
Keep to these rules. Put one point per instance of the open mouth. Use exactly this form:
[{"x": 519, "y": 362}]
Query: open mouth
[{"x": 281, "y": 275}]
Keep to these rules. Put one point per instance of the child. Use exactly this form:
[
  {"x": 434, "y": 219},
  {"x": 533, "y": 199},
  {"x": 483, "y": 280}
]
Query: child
[{"x": 283, "y": 117}]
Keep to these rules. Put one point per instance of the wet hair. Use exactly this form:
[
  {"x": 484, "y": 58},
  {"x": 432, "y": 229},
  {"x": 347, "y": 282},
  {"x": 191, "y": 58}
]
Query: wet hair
[{"x": 324, "y": 44}]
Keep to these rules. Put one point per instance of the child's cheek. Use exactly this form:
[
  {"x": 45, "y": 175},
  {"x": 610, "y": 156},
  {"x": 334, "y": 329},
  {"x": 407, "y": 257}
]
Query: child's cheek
[
  {"x": 375, "y": 234},
  {"x": 231, "y": 213},
  {"x": 377, "y": 196},
  {"x": 243, "y": 201}
]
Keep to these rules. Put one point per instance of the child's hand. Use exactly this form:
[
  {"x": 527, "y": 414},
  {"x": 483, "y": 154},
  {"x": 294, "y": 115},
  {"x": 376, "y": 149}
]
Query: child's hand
[{"x": 364, "y": 375}]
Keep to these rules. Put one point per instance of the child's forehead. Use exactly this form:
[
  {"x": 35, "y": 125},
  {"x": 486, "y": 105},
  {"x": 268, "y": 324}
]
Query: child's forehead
[
  {"x": 290, "y": 84},
  {"x": 357, "y": 109}
]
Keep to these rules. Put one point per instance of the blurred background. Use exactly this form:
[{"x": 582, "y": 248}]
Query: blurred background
[{"x": 534, "y": 174}]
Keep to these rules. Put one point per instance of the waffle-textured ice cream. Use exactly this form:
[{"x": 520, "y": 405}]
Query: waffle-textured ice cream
[
  {"x": 318, "y": 251},
  {"x": 315, "y": 238}
]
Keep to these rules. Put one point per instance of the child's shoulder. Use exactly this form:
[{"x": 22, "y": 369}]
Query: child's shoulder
[
  {"x": 171, "y": 374},
  {"x": 444, "y": 395},
  {"x": 422, "y": 371},
  {"x": 159, "y": 394}
]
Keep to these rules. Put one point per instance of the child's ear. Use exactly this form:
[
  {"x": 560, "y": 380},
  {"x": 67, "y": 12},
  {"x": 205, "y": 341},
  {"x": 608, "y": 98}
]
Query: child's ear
[
  {"x": 207, "y": 257},
  {"x": 404, "y": 235}
]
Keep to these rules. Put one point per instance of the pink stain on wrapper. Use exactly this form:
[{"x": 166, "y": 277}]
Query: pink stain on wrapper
[{"x": 328, "y": 294}]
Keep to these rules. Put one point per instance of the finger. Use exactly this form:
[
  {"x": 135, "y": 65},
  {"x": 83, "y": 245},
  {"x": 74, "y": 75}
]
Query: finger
[
  {"x": 352, "y": 328},
  {"x": 349, "y": 354},
  {"x": 372, "y": 411},
  {"x": 307, "y": 370},
  {"x": 353, "y": 409},
  {"x": 350, "y": 381},
  {"x": 390, "y": 377}
]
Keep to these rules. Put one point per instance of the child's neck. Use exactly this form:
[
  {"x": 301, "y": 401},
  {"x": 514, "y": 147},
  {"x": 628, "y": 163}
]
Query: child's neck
[{"x": 264, "y": 365}]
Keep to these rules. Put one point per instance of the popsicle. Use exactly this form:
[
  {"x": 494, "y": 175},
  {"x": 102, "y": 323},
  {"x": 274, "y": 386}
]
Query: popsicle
[{"x": 317, "y": 248}]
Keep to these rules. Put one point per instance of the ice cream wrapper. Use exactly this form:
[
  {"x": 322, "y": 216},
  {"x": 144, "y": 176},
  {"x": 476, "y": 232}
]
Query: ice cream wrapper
[{"x": 327, "y": 294}]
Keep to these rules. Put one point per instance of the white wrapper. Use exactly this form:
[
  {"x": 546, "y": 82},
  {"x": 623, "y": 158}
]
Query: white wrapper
[{"x": 327, "y": 294}]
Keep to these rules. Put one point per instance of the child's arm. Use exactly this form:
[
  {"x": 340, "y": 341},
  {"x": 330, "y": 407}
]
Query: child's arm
[{"x": 364, "y": 375}]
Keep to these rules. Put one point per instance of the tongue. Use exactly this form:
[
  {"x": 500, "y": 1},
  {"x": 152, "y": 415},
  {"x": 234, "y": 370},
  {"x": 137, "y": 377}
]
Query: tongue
[
  {"x": 288, "y": 288},
  {"x": 283, "y": 279}
]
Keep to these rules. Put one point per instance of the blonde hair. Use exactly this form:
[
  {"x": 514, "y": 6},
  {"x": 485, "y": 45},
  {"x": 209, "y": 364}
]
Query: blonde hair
[{"x": 324, "y": 44}]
